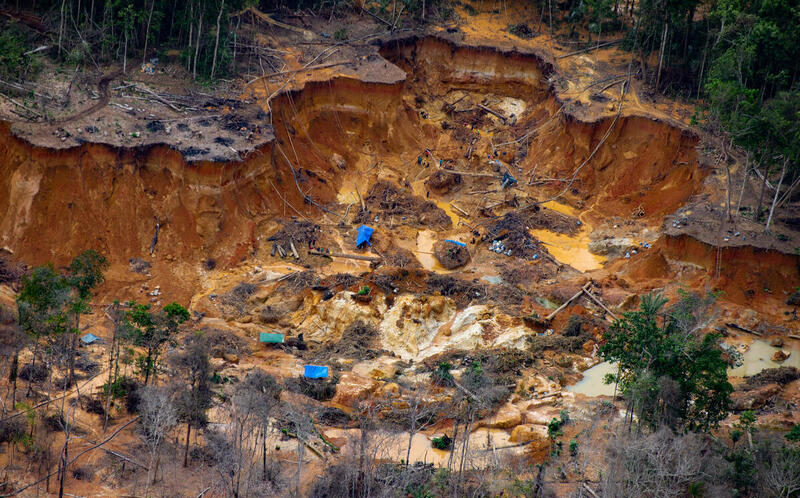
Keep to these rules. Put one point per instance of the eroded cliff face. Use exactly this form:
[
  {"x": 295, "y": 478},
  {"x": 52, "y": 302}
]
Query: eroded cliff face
[
  {"x": 756, "y": 278},
  {"x": 57, "y": 202},
  {"x": 334, "y": 135}
]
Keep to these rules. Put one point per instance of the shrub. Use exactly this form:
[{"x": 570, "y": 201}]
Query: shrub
[
  {"x": 12, "y": 52},
  {"x": 33, "y": 373},
  {"x": 83, "y": 473},
  {"x": 12, "y": 429},
  {"x": 95, "y": 406},
  {"x": 442, "y": 375},
  {"x": 442, "y": 443},
  {"x": 574, "y": 326},
  {"x": 318, "y": 389},
  {"x": 340, "y": 34}
]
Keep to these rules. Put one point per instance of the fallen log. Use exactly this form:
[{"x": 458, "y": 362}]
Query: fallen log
[
  {"x": 493, "y": 112},
  {"x": 157, "y": 97},
  {"x": 317, "y": 252},
  {"x": 123, "y": 457},
  {"x": 599, "y": 303},
  {"x": 590, "y": 490},
  {"x": 459, "y": 209},
  {"x": 589, "y": 49},
  {"x": 743, "y": 329},
  {"x": 567, "y": 303}
]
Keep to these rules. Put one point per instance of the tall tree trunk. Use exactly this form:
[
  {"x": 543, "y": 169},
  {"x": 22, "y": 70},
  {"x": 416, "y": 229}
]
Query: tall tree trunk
[
  {"x": 757, "y": 212},
  {"x": 464, "y": 453},
  {"x": 73, "y": 342},
  {"x": 264, "y": 455},
  {"x": 110, "y": 377},
  {"x": 777, "y": 192},
  {"x": 125, "y": 54},
  {"x": 13, "y": 376},
  {"x": 147, "y": 31},
  {"x": 216, "y": 40},
  {"x": 186, "y": 450},
  {"x": 728, "y": 171},
  {"x": 197, "y": 47},
  {"x": 744, "y": 183},
  {"x": 455, "y": 439},
  {"x": 411, "y": 433},
  {"x": 689, "y": 18},
  {"x": 301, "y": 449},
  {"x": 702, "y": 67},
  {"x": 661, "y": 57},
  {"x": 191, "y": 32},
  {"x": 61, "y": 24},
  {"x": 64, "y": 456}
]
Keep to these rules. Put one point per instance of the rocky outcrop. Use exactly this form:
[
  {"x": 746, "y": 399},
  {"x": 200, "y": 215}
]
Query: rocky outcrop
[
  {"x": 525, "y": 433},
  {"x": 507, "y": 416},
  {"x": 754, "y": 398},
  {"x": 353, "y": 388}
]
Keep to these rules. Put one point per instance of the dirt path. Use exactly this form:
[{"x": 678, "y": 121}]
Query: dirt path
[{"x": 105, "y": 98}]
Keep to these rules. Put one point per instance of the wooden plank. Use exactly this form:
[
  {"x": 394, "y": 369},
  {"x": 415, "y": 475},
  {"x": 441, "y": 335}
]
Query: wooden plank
[{"x": 567, "y": 303}]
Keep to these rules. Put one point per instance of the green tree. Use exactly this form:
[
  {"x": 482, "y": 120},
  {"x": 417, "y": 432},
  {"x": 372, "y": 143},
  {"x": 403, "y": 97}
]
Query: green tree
[
  {"x": 41, "y": 307},
  {"x": 194, "y": 399},
  {"x": 668, "y": 374},
  {"x": 12, "y": 341},
  {"x": 85, "y": 273},
  {"x": 151, "y": 331}
]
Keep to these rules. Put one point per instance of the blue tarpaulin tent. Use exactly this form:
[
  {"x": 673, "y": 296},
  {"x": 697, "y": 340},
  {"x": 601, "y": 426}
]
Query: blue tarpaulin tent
[
  {"x": 364, "y": 234},
  {"x": 89, "y": 338},
  {"x": 508, "y": 180},
  {"x": 315, "y": 372},
  {"x": 271, "y": 338}
]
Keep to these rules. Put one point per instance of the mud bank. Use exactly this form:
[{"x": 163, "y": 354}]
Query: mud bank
[{"x": 749, "y": 276}]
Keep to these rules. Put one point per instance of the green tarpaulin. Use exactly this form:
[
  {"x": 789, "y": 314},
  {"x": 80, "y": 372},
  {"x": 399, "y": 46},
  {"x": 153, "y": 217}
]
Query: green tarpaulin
[{"x": 271, "y": 338}]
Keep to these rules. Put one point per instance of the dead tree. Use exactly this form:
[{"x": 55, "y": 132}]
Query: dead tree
[
  {"x": 421, "y": 412},
  {"x": 159, "y": 415}
]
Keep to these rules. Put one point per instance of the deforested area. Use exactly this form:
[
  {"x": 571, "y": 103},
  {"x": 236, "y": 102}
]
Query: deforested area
[{"x": 411, "y": 248}]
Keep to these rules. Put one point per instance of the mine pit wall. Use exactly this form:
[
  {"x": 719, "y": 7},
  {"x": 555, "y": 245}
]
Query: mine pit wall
[
  {"x": 643, "y": 162},
  {"x": 55, "y": 203},
  {"x": 480, "y": 69},
  {"x": 360, "y": 121},
  {"x": 745, "y": 272}
]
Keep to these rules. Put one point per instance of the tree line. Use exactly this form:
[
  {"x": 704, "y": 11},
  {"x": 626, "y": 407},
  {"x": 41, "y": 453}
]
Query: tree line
[
  {"x": 737, "y": 61},
  {"x": 88, "y": 32}
]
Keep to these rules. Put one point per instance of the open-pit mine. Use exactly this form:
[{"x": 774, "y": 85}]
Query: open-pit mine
[{"x": 398, "y": 214}]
